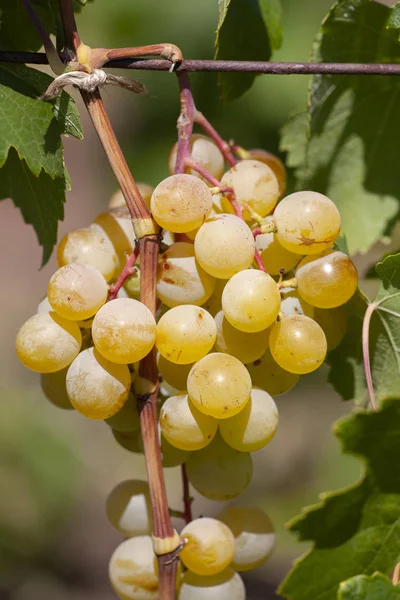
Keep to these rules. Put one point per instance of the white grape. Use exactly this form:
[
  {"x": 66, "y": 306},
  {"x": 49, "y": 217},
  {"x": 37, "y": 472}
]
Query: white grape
[
  {"x": 54, "y": 388},
  {"x": 171, "y": 455},
  {"x": 44, "y": 306},
  {"x": 117, "y": 225},
  {"x": 274, "y": 256},
  {"x": 172, "y": 373},
  {"x": 226, "y": 585},
  {"x": 209, "y": 546},
  {"x": 133, "y": 570},
  {"x": 117, "y": 200},
  {"x": 204, "y": 152},
  {"x": 293, "y": 304},
  {"x": 129, "y": 508},
  {"x": 127, "y": 419},
  {"x": 129, "y": 440},
  {"x": 266, "y": 374},
  {"x": 246, "y": 347}
]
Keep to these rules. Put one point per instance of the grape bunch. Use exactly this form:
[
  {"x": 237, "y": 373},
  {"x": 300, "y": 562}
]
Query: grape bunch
[{"x": 251, "y": 291}]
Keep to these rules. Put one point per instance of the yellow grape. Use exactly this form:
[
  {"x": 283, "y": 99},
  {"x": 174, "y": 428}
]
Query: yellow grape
[
  {"x": 214, "y": 303},
  {"x": 218, "y": 471},
  {"x": 254, "y": 184},
  {"x": 129, "y": 508},
  {"x": 96, "y": 387},
  {"x": 219, "y": 385},
  {"x": 172, "y": 373},
  {"x": 184, "y": 426},
  {"x": 209, "y": 546},
  {"x": 226, "y": 585},
  {"x": 334, "y": 322},
  {"x": 224, "y": 245},
  {"x": 293, "y": 304},
  {"x": 117, "y": 225},
  {"x": 133, "y": 570},
  {"x": 254, "y": 535},
  {"x": 47, "y": 343},
  {"x": 53, "y": 386},
  {"x": 77, "y": 291},
  {"x": 251, "y": 300},
  {"x": 306, "y": 222},
  {"x": 180, "y": 278},
  {"x": 274, "y": 163},
  {"x": 129, "y": 440},
  {"x": 204, "y": 152},
  {"x": 117, "y": 200},
  {"x": 246, "y": 347},
  {"x": 132, "y": 285},
  {"x": 298, "y": 344},
  {"x": 266, "y": 374},
  {"x": 327, "y": 280},
  {"x": 185, "y": 334},
  {"x": 127, "y": 419},
  {"x": 44, "y": 306},
  {"x": 255, "y": 426},
  {"x": 181, "y": 203},
  {"x": 171, "y": 455},
  {"x": 274, "y": 256},
  {"x": 124, "y": 331}
]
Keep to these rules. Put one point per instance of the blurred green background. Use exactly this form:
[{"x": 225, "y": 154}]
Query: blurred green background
[{"x": 56, "y": 467}]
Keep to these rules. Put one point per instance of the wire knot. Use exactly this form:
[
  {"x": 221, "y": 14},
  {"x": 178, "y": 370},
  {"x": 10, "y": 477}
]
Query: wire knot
[{"x": 89, "y": 82}]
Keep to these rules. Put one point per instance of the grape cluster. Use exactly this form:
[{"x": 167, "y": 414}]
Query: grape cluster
[{"x": 229, "y": 336}]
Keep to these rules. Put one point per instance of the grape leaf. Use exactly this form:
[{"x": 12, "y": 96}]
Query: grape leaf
[
  {"x": 347, "y": 146},
  {"x": 377, "y": 587},
  {"x": 355, "y": 530},
  {"x": 247, "y": 30},
  {"x": 346, "y": 362}
]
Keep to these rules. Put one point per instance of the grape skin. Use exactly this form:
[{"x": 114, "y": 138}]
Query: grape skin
[
  {"x": 127, "y": 419},
  {"x": 184, "y": 426},
  {"x": 246, "y": 347},
  {"x": 274, "y": 163},
  {"x": 54, "y": 388},
  {"x": 255, "y": 426},
  {"x": 44, "y": 306},
  {"x": 129, "y": 508},
  {"x": 171, "y": 455},
  {"x": 117, "y": 200},
  {"x": 298, "y": 344},
  {"x": 116, "y": 224},
  {"x": 307, "y": 222},
  {"x": 334, "y": 322},
  {"x": 293, "y": 304},
  {"x": 327, "y": 280},
  {"x": 209, "y": 547},
  {"x": 219, "y": 385},
  {"x": 274, "y": 256},
  {"x": 129, "y": 440},
  {"x": 266, "y": 374},
  {"x": 47, "y": 343},
  {"x": 173, "y": 374},
  {"x": 204, "y": 152},
  {"x": 133, "y": 570},
  {"x": 226, "y": 585}
]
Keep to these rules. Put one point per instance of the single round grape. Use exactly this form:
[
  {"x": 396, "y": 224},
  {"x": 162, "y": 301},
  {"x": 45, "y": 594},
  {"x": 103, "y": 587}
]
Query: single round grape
[
  {"x": 274, "y": 163},
  {"x": 254, "y": 184},
  {"x": 307, "y": 222},
  {"x": 96, "y": 387},
  {"x": 209, "y": 546},
  {"x": 129, "y": 440},
  {"x": 116, "y": 224},
  {"x": 132, "y": 285},
  {"x": 254, "y": 535},
  {"x": 246, "y": 347},
  {"x": 334, "y": 322},
  {"x": 226, "y": 585},
  {"x": 171, "y": 455},
  {"x": 219, "y": 385},
  {"x": 251, "y": 301},
  {"x": 218, "y": 471},
  {"x": 172, "y": 373},
  {"x": 184, "y": 426},
  {"x": 117, "y": 200},
  {"x": 185, "y": 334},
  {"x": 124, "y": 331},
  {"x": 224, "y": 245},
  {"x": 293, "y": 304},
  {"x": 298, "y": 344},
  {"x": 204, "y": 152},
  {"x": 89, "y": 246},
  {"x": 274, "y": 256},
  {"x": 266, "y": 374},
  {"x": 214, "y": 303},
  {"x": 129, "y": 508},
  {"x": 181, "y": 203},
  {"x": 77, "y": 291},
  {"x": 53, "y": 386},
  {"x": 255, "y": 426},
  {"x": 133, "y": 570},
  {"x": 44, "y": 306},
  {"x": 180, "y": 278},
  {"x": 327, "y": 280},
  {"x": 127, "y": 419},
  {"x": 47, "y": 343}
]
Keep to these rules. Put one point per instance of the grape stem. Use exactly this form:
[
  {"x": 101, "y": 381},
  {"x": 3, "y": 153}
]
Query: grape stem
[
  {"x": 187, "y": 499},
  {"x": 366, "y": 357},
  {"x": 201, "y": 120},
  {"x": 125, "y": 273}
]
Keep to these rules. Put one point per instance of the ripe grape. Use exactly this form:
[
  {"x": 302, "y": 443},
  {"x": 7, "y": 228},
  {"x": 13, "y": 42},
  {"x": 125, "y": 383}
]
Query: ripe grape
[
  {"x": 117, "y": 200},
  {"x": 246, "y": 347},
  {"x": 185, "y": 334},
  {"x": 274, "y": 163},
  {"x": 181, "y": 203},
  {"x": 334, "y": 322},
  {"x": 255, "y": 426},
  {"x": 298, "y": 344},
  {"x": 77, "y": 291},
  {"x": 204, "y": 152},
  {"x": 218, "y": 471},
  {"x": 117, "y": 225},
  {"x": 327, "y": 280},
  {"x": 255, "y": 184},
  {"x": 47, "y": 343},
  {"x": 224, "y": 245},
  {"x": 173, "y": 374},
  {"x": 251, "y": 301},
  {"x": 274, "y": 256},
  {"x": 171, "y": 455},
  {"x": 254, "y": 535},
  {"x": 129, "y": 440},
  {"x": 293, "y": 304},
  {"x": 209, "y": 546},
  {"x": 89, "y": 246},
  {"x": 219, "y": 385},
  {"x": 44, "y": 306},
  {"x": 126, "y": 420},
  {"x": 226, "y": 585},
  {"x": 133, "y": 570},
  {"x": 265, "y": 373},
  {"x": 132, "y": 285},
  {"x": 307, "y": 222},
  {"x": 214, "y": 303},
  {"x": 96, "y": 387},
  {"x": 53, "y": 386},
  {"x": 124, "y": 330},
  {"x": 129, "y": 508},
  {"x": 180, "y": 278},
  {"x": 184, "y": 426}
]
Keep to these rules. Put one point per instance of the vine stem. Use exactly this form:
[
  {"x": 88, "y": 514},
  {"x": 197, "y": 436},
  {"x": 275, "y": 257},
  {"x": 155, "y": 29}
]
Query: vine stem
[
  {"x": 187, "y": 499},
  {"x": 72, "y": 38},
  {"x": 366, "y": 357},
  {"x": 125, "y": 273}
]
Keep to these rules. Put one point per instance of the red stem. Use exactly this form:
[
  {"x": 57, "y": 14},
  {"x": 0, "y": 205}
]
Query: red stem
[
  {"x": 125, "y": 273},
  {"x": 187, "y": 499},
  {"x": 366, "y": 356},
  {"x": 185, "y": 123},
  {"x": 205, "y": 124}
]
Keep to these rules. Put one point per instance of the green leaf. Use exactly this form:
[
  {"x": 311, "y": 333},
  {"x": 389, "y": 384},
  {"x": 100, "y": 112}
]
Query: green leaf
[
  {"x": 355, "y": 530},
  {"x": 377, "y": 587},
  {"x": 394, "y": 19},
  {"x": 247, "y": 30},
  {"x": 346, "y": 362},
  {"x": 347, "y": 148}
]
